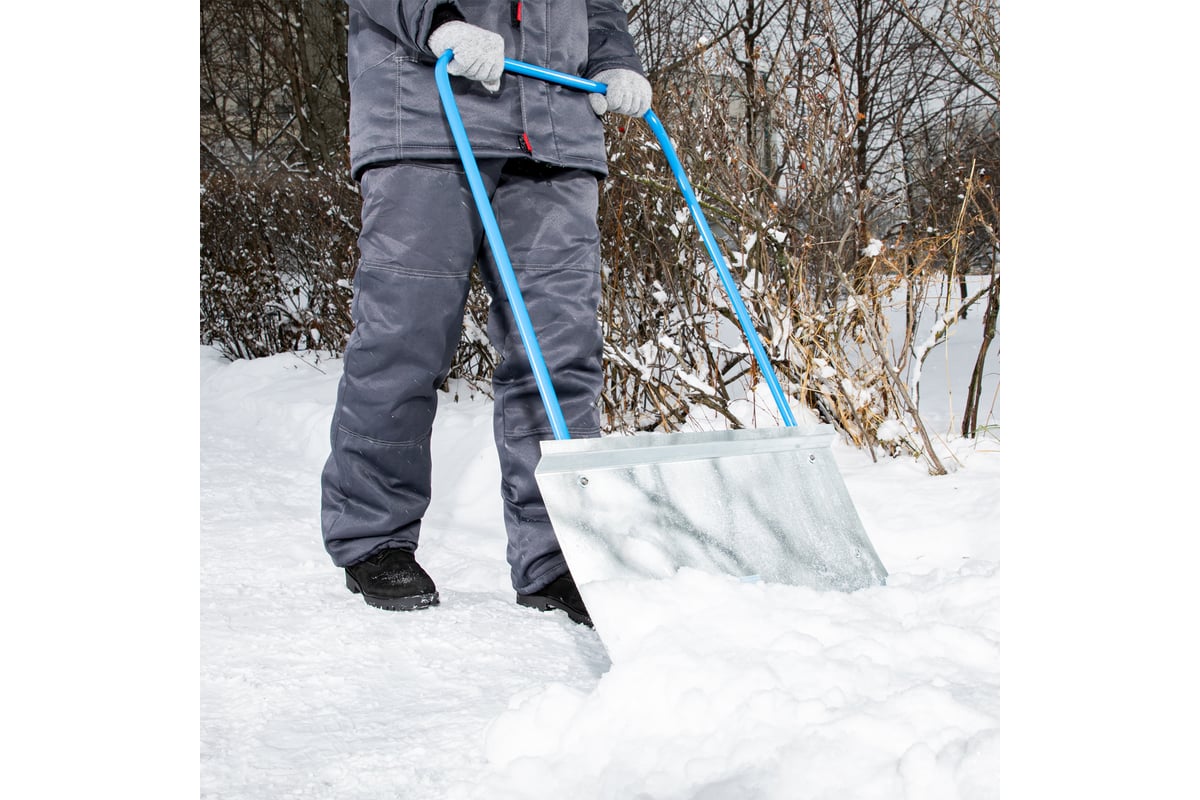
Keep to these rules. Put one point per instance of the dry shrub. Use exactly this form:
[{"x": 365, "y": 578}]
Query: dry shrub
[{"x": 277, "y": 255}]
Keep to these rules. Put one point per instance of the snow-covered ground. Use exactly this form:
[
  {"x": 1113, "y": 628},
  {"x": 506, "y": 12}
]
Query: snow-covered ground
[
  {"x": 721, "y": 689},
  {"x": 100, "y": 693}
]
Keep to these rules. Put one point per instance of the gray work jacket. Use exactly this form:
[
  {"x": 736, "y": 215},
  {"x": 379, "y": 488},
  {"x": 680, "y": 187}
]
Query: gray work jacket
[{"x": 395, "y": 112}]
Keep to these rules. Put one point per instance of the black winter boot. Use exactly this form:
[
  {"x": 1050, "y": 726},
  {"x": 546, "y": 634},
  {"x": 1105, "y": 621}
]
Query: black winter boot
[
  {"x": 561, "y": 594},
  {"x": 392, "y": 579}
]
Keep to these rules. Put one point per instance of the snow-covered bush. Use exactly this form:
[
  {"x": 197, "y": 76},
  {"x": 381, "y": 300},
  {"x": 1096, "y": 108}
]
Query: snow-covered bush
[
  {"x": 847, "y": 158},
  {"x": 831, "y": 266},
  {"x": 276, "y": 256}
]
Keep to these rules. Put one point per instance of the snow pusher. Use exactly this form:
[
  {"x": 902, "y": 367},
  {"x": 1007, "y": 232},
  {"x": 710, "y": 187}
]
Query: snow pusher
[{"x": 761, "y": 504}]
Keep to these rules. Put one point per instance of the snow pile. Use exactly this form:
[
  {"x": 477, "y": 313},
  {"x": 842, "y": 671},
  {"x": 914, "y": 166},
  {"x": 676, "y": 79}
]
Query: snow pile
[
  {"x": 713, "y": 688},
  {"x": 732, "y": 690}
]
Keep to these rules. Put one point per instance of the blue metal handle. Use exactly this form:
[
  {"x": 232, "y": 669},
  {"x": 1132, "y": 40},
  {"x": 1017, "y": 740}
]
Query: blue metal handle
[
  {"x": 554, "y": 76},
  {"x": 718, "y": 260},
  {"x": 508, "y": 278}
]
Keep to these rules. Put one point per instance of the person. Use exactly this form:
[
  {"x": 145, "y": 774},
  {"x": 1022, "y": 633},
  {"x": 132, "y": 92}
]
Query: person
[{"x": 540, "y": 149}]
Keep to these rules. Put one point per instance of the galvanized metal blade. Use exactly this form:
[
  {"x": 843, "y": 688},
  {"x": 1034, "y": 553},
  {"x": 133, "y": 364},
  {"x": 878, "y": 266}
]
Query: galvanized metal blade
[{"x": 766, "y": 504}]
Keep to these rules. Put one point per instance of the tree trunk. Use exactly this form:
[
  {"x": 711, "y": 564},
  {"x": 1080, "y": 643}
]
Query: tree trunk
[{"x": 970, "y": 422}]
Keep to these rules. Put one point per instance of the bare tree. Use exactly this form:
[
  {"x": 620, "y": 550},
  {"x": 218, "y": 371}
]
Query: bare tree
[
  {"x": 312, "y": 35},
  {"x": 966, "y": 34},
  {"x": 273, "y": 91},
  {"x": 244, "y": 110},
  {"x": 846, "y": 153},
  {"x": 278, "y": 212}
]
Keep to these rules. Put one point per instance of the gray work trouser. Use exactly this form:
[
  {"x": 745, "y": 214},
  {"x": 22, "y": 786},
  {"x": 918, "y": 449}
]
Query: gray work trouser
[{"x": 421, "y": 235}]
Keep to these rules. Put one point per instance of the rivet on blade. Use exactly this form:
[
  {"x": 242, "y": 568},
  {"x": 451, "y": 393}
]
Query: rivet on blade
[{"x": 583, "y": 481}]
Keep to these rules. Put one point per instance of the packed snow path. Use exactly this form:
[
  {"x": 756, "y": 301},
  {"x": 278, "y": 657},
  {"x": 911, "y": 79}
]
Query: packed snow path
[{"x": 720, "y": 689}]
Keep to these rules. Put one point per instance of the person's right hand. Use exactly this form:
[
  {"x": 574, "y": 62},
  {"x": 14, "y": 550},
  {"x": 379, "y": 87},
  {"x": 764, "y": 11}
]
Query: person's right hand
[{"x": 478, "y": 53}]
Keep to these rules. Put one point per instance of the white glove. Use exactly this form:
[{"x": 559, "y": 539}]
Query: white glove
[
  {"x": 628, "y": 93},
  {"x": 478, "y": 53}
]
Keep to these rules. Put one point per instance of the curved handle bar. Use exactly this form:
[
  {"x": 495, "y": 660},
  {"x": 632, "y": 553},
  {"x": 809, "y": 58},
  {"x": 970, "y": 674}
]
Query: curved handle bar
[{"x": 508, "y": 278}]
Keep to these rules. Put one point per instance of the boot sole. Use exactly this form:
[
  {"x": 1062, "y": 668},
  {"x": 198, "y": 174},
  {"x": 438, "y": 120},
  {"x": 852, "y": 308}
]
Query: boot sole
[
  {"x": 411, "y": 603},
  {"x": 547, "y": 604}
]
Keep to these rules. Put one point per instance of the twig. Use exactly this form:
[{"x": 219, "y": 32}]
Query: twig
[{"x": 898, "y": 387}]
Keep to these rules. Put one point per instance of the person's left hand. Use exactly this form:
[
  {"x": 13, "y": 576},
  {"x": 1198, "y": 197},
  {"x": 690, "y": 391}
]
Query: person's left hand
[{"x": 628, "y": 93}]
